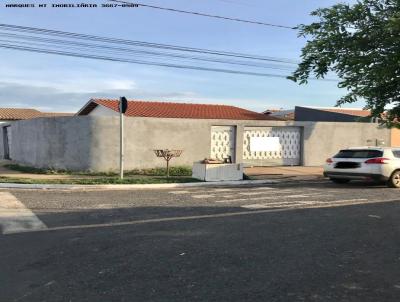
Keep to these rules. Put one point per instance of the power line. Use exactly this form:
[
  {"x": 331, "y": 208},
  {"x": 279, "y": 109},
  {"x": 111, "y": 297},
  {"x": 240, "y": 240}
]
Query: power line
[
  {"x": 89, "y": 56},
  {"x": 205, "y": 15},
  {"x": 114, "y": 59},
  {"x": 34, "y": 36},
  {"x": 72, "y": 35},
  {"x": 17, "y": 38},
  {"x": 47, "y": 41}
]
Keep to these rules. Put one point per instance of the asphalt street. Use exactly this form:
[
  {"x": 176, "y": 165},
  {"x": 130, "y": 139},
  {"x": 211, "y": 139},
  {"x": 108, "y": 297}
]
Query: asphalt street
[{"x": 304, "y": 241}]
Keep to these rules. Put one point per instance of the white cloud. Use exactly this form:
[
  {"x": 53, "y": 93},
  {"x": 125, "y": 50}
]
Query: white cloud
[
  {"x": 78, "y": 85},
  {"x": 69, "y": 98}
]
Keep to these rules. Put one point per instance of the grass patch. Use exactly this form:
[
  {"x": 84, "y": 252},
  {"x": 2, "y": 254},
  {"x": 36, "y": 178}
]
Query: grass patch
[
  {"x": 178, "y": 174},
  {"x": 174, "y": 171},
  {"x": 100, "y": 181},
  {"x": 31, "y": 170}
]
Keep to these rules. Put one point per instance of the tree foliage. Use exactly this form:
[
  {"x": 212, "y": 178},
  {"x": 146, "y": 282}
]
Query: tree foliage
[{"x": 361, "y": 44}]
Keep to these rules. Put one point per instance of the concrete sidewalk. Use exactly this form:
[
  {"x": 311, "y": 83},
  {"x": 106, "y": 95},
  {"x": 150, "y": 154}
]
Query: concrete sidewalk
[
  {"x": 253, "y": 172},
  {"x": 294, "y": 172},
  {"x": 257, "y": 175},
  {"x": 234, "y": 183}
]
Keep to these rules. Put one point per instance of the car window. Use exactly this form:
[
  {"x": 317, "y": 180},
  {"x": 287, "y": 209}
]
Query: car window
[
  {"x": 359, "y": 154},
  {"x": 396, "y": 153}
]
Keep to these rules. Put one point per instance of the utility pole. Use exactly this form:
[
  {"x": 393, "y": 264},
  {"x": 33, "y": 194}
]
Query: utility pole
[{"x": 123, "y": 105}]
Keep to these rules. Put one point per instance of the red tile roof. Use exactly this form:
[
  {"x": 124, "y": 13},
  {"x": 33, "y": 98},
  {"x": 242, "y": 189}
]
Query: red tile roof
[
  {"x": 177, "y": 110},
  {"x": 13, "y": 114},
  {"x": 18, "y": 113}
]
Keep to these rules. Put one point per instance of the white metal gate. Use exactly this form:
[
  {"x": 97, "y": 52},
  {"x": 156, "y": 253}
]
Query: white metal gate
[
  {"x": 288, "y": 154},
  {"x": 223, "y": 142}
]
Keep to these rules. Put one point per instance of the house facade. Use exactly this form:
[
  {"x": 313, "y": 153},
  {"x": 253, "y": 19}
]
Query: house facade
[
  {"x": 90, "y": 139},
  {"x": 322, "y": 114}
]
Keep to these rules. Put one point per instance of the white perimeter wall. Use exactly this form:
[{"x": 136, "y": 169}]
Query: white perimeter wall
[{"x": 92, "y": 142}]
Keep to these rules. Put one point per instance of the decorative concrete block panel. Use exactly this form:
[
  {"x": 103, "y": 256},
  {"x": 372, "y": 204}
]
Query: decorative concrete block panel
[
  {"x": 289, "y": 138},
  {"x": 222, "y": 142}
]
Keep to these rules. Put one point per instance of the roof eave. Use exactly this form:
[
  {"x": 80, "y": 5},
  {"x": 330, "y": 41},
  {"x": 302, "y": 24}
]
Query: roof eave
[{"x": 85, "y": 110}]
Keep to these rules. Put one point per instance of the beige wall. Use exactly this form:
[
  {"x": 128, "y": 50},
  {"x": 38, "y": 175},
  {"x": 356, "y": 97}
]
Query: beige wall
[
  {"x": 92, "y": 142},
  {"x": 143, "y": 135},
  {"x": 57, "y": 142},
  {"x": 323, "y": 139}
]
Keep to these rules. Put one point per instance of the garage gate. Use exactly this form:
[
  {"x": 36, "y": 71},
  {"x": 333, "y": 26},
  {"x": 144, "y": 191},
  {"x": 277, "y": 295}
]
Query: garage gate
[{"x": 288, "y": 152}]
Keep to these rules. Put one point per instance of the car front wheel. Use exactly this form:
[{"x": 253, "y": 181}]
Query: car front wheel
[
  {"x": 394, "y": 180},
  {"x": 340, "y": 180}
]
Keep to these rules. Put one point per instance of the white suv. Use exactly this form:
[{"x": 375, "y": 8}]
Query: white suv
[{"x": 365, "y": 163}]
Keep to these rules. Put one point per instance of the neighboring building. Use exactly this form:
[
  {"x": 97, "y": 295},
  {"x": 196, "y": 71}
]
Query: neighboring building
[
  {"x": 315, "y": 114},
  {"x": 8, "y": 115},
  {"x": 319, "y": 114},
  {"x": 284, "y": 114}
]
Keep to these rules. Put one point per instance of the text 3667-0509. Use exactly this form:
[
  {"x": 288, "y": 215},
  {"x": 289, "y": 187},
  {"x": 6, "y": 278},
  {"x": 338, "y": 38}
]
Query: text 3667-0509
[{"x": 68, "y": 5}]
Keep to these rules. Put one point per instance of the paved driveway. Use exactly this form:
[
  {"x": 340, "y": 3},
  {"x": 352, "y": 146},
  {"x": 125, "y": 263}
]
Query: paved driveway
[{"x": 289, "y": 242}]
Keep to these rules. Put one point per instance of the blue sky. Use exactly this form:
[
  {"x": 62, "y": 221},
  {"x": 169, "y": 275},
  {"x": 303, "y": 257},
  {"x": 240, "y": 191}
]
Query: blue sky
[{"x": 57, "y": 83}]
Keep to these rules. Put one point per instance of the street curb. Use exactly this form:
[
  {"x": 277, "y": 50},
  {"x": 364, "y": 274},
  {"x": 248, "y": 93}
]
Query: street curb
[{"x": 134, "y": 186}]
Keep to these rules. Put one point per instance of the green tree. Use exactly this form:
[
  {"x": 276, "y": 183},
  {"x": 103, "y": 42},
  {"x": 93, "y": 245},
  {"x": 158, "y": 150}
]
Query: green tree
[{"x": 361, "y": 44}]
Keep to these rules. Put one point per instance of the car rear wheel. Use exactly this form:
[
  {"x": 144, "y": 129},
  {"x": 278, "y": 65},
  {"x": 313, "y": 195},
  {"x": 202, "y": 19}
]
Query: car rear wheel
[
  {"x": 394, "y": 180},
  {"x": 340, "y": 180}
]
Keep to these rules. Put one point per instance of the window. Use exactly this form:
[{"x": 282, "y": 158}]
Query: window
[
  {"x": 359, "y": 154},
  {"x": 396, "y": 153}
]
